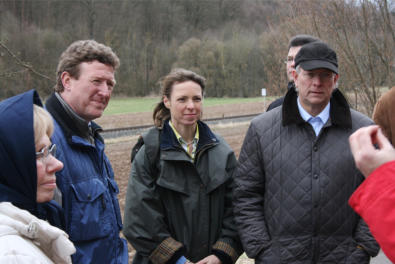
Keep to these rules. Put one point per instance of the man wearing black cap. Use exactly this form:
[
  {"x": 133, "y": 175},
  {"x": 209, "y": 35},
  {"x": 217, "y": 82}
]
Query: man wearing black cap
[
  {"x": 295, "y": 44},
  {"x": 296, "y": 173}
]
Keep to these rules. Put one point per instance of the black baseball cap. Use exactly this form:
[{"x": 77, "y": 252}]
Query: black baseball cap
[{"x": 316, "y": 55}]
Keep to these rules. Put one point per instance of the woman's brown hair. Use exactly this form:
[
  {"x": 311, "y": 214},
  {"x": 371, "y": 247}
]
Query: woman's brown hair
[{"x": 161, "y": 112}]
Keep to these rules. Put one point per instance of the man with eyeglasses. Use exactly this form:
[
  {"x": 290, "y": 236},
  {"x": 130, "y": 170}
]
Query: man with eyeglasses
[
  {"x": 85, "y": 81},
  {"x": 296, "y": 173},
  {"x": 295, "y": 44}
]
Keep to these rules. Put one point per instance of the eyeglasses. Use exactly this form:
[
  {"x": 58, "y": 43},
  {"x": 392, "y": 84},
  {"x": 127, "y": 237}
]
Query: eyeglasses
[
  {"x": 289, "y": 59},
  {"x": 45, "y": 152}
]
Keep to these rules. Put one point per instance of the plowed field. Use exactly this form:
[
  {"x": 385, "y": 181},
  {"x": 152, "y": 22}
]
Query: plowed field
[{"x": 118, "y": 150}]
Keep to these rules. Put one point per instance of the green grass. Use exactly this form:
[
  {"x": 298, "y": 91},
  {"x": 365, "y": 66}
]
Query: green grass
[
  {"x": 147, "y": 104},
  {"x": 130, "y": 105}
]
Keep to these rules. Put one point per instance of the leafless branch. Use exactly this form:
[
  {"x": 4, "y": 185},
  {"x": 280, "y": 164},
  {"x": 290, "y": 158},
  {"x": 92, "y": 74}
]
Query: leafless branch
[
  {"x": 9, "y": 74},
  {"x": 22, "y": 63}
]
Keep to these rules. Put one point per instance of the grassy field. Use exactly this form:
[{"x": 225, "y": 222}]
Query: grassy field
[{"x": 147, "y": 104}]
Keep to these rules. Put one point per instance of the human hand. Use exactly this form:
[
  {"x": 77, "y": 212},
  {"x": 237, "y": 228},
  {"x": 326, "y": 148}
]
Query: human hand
[
  {"x": 212, "y": 259},
  {"x": 370, "y": 149}
]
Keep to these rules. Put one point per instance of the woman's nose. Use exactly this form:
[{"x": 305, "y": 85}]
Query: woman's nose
[{"x": 53, "y": 164}]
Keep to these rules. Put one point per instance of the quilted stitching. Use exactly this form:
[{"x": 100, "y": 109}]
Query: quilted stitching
[{"x": 306, "y": 189}]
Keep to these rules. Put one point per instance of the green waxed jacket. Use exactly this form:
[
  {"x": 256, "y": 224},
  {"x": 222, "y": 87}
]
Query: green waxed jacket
[{"x": 180, "y": 207}]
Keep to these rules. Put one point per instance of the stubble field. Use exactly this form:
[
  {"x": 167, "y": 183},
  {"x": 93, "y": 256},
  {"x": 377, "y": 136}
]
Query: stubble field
[{"x": 118, "y": 150}]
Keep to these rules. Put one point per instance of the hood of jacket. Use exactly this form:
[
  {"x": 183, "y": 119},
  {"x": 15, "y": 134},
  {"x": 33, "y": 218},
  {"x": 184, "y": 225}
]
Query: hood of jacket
[{"x": 18, "y": 172}]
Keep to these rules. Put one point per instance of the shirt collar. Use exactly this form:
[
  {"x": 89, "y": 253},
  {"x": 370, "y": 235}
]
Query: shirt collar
[
  {"x": 179, "y": 137},
  {"x": 324, "y": 115},
  {"x": 82, "y": 125},
  {"x": 185, "y": 144}
]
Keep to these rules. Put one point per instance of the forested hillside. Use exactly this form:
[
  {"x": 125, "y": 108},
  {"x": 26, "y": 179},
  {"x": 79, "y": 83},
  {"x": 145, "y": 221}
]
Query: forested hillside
[{"x": 238, "y": 45}]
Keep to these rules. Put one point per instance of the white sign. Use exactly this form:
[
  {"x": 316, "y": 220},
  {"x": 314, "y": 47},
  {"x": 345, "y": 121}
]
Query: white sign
[{"x": 263, "y": 92}]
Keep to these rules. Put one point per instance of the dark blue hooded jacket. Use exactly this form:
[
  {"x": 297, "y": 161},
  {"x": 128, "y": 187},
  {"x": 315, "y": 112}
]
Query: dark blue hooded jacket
[{"x": 18, "y": 172}]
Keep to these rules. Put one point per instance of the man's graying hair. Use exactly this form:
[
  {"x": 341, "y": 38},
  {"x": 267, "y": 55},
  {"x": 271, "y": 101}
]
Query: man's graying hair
[
  {"x": 300, "y": 40},
  {"x": 83, "y": 51}
]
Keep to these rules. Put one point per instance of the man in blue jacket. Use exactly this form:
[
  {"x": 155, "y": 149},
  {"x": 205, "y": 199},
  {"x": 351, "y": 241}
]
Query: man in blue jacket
[{"x": 85, "y": 80}]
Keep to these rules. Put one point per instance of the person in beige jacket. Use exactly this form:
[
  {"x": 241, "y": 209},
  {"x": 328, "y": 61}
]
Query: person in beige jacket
[
  {"x": 30, "y": 221},
  {"x": 383, "y": 114}
]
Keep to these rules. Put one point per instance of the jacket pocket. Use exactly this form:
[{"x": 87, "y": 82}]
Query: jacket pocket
[
  {"x": 114, "y": 197},
  {"x": 358, "y": 256},
  {"x": 294, "y": 249},
  {"x": 266, "y": 256},
  {"x": 89, "y": 217}
]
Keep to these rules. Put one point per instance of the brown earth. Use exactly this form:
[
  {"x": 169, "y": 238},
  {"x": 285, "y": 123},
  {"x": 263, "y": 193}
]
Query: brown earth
[
  {"x": 145, "y": 118},
  {"x": 118, "y": 150}
]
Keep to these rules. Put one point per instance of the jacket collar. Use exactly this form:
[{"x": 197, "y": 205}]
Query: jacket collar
[
  {"x": 169, "y": 140},
  {"x": 291, "y": 85},
  {"x": 66, "y": 122},
  {"x": 339, "y": 115}
]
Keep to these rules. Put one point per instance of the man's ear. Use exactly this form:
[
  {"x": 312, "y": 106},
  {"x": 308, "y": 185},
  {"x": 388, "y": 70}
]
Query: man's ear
[
  {"x": 294, "y": 74},
  {"x": 66, "y": 79},
  {"x": 166, "y": 102},
  {"x": 336, "y": 78}
]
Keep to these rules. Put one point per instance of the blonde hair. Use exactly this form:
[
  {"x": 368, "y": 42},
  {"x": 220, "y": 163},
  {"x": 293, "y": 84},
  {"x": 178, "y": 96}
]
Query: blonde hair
[{"x": 42, "y": 123}]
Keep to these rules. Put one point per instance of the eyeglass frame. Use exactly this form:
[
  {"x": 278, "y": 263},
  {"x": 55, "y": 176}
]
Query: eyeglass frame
[
  {"x": 289, "y": 59},
  {"x": 50, "y": 150}
]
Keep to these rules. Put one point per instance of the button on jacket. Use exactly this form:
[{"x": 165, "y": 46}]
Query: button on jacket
[
  {"x": 181, "y": 206},
  {"x": 292, "y": 187},
  {"x": 89, "y": 192}
]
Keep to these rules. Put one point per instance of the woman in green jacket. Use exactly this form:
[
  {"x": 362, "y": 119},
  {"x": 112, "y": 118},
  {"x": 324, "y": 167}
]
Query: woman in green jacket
[{"x": 178, "y": 202}]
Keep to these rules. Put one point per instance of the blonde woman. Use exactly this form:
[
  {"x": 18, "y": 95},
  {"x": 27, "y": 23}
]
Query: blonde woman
[{"x": 27, "y": 183}]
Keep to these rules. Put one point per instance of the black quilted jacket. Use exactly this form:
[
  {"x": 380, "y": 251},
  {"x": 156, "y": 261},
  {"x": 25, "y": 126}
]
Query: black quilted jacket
[{"x": 291, "y": 188}]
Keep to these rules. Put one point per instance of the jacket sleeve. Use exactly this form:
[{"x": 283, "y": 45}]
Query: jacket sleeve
[
  {"x": 249, "y": 196},
  {"x": 144, "y": 220},
  {"x": 374, "y": 201},
  {"x": 228, "y": 247},
  {"x": 364, "y": 239}
]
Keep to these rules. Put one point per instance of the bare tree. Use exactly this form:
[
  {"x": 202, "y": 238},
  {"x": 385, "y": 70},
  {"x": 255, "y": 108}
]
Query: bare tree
[
  {"x": 242, "y": 43},
  {"x": 361, "y": 33},
  {"x": 23, "y": 64}
]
